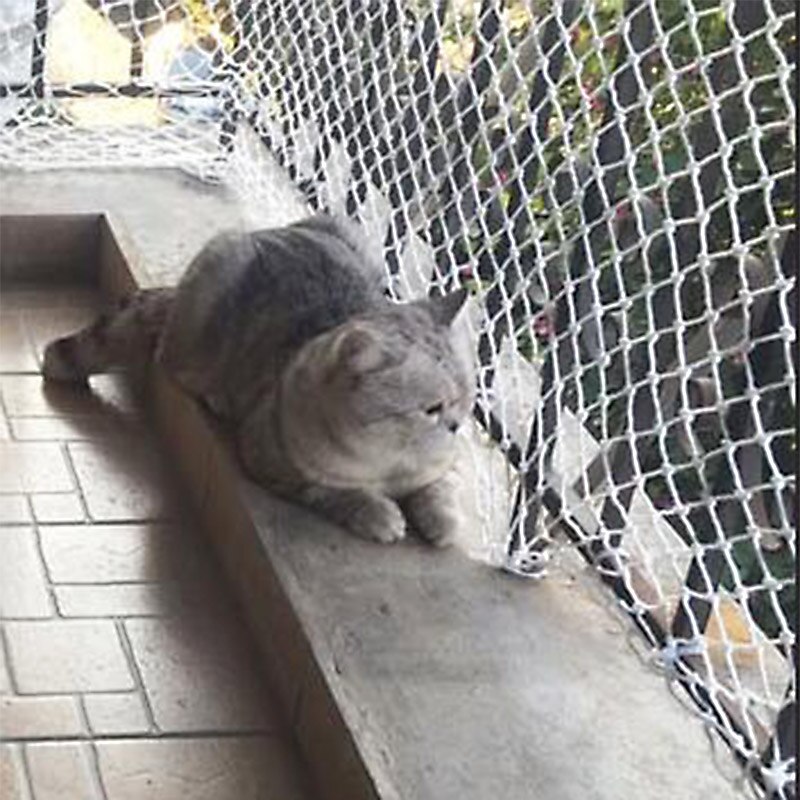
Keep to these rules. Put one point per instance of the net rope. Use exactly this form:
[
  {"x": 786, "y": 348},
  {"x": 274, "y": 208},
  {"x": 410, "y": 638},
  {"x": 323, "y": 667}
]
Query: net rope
[{"x": 615, "y": 183}]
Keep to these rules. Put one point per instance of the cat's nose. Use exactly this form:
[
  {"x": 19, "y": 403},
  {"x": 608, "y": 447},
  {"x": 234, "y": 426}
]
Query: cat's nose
[{"x": 452, "y": 426}]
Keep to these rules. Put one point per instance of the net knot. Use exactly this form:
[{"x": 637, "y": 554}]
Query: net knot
[
  {"x": 778, "y": 776},
  {"x": 675, "y": 649}
]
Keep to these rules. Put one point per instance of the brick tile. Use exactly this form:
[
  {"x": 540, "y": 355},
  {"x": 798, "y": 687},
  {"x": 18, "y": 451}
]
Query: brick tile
[
  {"x": 122, "y": 479},
  {"x": 64, "y": 428},
  {"x": 33, "y": 467},
  {"x": 110, "y": 553},
  {"x": 199, "y": 673},
  {"x": 115, "y": 714},
  {"x": 14, "y": 509},
  {"x": 16, "y": 353},
  {"x": 253, "y": 768},
  {"x": 23, "y": 591},
  {"x": 118, "y": 600},
  {"x": 30, "y": 396},
  {"x": 61, "y": 770},
  {"x": 12, "y": 775},
  {"x": 66, "y": 656},
  {"x": 57, "y": 508},
  {"x": 199, "y": 670},
  {"x": 39, "y": 717}
]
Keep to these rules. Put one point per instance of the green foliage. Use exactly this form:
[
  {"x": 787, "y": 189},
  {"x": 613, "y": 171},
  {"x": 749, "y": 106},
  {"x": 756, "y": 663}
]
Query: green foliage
[{"x": 694, "y": 72}]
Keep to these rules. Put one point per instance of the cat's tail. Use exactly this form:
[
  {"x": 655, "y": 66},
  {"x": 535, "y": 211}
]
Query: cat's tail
[{"x": 124, "y": 337}]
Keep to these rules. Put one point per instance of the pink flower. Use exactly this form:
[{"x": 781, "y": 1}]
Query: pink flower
[
  {"x": 466, "y": 273},
  {"x": 596, "y": 100},
  {"x": 543, "y": 326}
]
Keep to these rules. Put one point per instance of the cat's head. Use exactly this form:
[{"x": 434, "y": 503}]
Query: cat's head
[{"x": 377, "y": 402}]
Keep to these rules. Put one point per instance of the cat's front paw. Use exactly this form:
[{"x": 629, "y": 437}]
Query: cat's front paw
[
  {"x": 432, "y": 513},
  {"x": 436, "y": 525},
  {"x": 379, "y": 520}
]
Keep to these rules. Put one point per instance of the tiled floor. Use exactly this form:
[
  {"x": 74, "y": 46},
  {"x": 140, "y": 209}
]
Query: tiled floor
[{"x": 125, "y": 671}]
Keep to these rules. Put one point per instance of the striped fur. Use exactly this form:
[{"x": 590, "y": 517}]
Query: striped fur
[{"x": 127, "y": 336}]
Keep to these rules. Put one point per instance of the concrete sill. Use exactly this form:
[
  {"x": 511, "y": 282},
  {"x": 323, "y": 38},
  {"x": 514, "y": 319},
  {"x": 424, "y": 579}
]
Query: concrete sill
[{"x": 407, "y": 672}]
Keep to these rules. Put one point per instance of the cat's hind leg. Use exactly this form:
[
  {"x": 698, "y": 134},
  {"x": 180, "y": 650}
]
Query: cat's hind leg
[{"x": 123, "y": 337}]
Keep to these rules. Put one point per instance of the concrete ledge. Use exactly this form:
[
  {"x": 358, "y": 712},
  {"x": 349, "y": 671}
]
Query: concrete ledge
[
  {"x": 218, "y": 493},
  {"x": 68, "y": 251},
  {"x": 413, "y": 673}
]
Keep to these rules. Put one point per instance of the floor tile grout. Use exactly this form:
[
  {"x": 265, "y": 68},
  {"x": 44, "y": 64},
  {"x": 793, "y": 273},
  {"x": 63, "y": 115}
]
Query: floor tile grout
[
  {"x": 94, "y": 761},
  {"x": 258, "y": 733},
  {"x": 208, "y": 708},
  {"x": 45, "y": 569},
  {"x": 26, "y": 768},
  {"x": 97, "y": 772},
  {"x": 136, "y": 674},
  {"x": 12, "y": 678},
  {"x": 73, "y": 472}
]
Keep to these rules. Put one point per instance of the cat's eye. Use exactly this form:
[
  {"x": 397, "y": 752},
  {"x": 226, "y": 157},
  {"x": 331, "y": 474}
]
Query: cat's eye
[{"x": 435, "y": 409}]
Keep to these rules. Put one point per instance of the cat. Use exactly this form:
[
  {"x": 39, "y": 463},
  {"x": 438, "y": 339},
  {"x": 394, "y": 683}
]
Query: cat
[{"x": 337, "y": 397}]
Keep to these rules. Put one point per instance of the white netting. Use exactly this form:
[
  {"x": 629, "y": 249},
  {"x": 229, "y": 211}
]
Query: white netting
[{"x": 614, "y": 180}]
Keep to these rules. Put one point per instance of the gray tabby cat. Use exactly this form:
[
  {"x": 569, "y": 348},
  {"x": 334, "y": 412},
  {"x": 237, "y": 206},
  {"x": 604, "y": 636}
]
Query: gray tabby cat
[{"x": 338, "y": 398}]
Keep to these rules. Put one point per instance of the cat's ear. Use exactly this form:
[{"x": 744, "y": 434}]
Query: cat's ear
[
  {"x": 358, "y": 350},
  {"x": 444, "y": 308}
]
